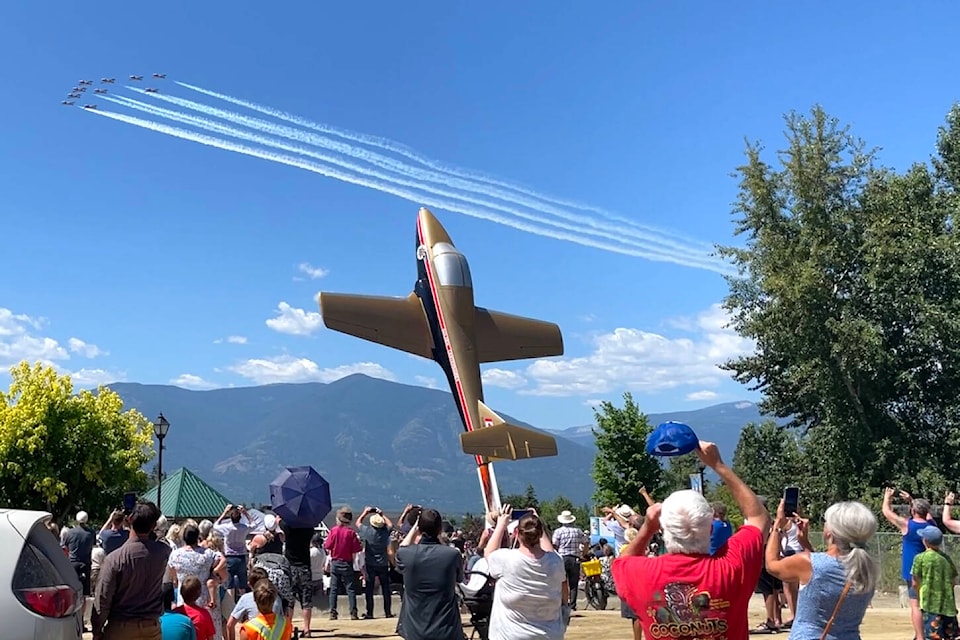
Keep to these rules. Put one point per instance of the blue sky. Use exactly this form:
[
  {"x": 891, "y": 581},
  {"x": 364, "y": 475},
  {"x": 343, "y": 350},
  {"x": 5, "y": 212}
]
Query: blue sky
[{"x": 133, "y": 255}]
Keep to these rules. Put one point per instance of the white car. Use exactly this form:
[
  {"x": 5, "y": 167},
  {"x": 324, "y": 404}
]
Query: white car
[{"x": 40, "y": 593}]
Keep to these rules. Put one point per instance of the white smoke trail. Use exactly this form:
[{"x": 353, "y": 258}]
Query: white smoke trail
[
  {"x": 654, "y": 251},
  {"x": 338, "y": 174},
  {"x": 618, "y": 233},
  {"x": 392, "y": 146}
]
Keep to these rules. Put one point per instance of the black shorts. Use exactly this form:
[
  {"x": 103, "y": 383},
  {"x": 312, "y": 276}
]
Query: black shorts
[
  {"x": 302, "y": 584},
  {"x": 767, "y": 584}
]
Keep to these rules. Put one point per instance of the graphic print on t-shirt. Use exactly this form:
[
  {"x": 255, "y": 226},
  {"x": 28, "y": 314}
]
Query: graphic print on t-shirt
[{"x": 682, "y": 610}]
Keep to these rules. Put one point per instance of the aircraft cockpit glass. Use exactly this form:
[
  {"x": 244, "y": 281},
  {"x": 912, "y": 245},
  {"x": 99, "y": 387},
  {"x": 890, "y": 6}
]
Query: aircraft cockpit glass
[{"x": 452, "y": 268}]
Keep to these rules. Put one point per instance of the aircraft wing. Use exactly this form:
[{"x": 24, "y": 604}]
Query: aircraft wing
[
  {"x": 395, "y": 322},
  {"x": 500, "y": 440},
  {"x": 501, "y": 336}
]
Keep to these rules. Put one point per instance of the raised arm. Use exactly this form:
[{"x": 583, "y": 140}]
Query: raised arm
[
  {"x": 951, "y": 525},
  {"x": 651, "y": 525},
  {"x": 493, "y": 543},
  {"x": 646, "y": 496},
  {"x": 896, "y": 520},
  {"x": 796, "y": 568},
  {"x": 754, "y": 513}
]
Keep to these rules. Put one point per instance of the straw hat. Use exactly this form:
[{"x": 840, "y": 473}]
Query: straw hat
[{"x": 566, "y": 517}]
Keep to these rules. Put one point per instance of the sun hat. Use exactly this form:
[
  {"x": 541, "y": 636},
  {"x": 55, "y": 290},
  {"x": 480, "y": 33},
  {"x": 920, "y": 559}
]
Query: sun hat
[
  {"x": 566, "y": 517},
  {"x": 377, "y": 521},
  {"x": 672, "y": 439},
  {"x": 270, "y": 522},
  {"x": 624, "y": 511}
]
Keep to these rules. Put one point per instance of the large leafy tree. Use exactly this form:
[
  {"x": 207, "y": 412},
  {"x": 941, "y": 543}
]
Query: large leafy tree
[
  {"x": 61, "y": 451},
  {"x": 768, "y": 459},
  {"x": 849, "y": 283},
  {"x": 622, "y": 466}
]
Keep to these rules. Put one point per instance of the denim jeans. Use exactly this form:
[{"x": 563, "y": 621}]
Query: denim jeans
[{"x": 341, "y": 569}]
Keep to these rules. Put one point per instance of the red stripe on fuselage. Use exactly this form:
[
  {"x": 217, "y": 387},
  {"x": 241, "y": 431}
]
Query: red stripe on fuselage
[{"x": 446, "y": 340}]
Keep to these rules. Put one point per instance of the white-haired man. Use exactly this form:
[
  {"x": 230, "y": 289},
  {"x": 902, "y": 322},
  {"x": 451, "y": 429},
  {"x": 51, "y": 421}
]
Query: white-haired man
[{"x": 687, "y": 592}]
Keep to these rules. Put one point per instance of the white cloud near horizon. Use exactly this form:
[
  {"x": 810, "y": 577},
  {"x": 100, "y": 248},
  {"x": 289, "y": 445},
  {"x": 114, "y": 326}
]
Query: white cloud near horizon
[
  {"x": 502, "y": 378},
  {"x": 312, "y": 272},
  {"x": 295, "y": 322},
  {"x": 19, "y": 341},
  {"x": 191, "y": 381},
  {"x": 86, "y": 349},
  {"x": 231, "y": 340},
  {"x": 629, "y": 359},
  {"x": 288, "y": 368},
  {"x": 704, "y": 394},
  {"x": 426, "y": 381}
]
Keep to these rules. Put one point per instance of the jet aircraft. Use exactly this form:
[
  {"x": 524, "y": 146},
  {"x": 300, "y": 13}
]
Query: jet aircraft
[
  {"x": 86, "y": 82},
  {"x": 89, "y": 106},
  {"x": 151, "y": 90},
  {"x": 108, "y": 80},
  {"x": 67, "y": 102},
  {"x": 136, "y": 77},
  {"x": 99, "y": 90},
  {"x": 159, "y": 75},
  {"x": 439, "y": 321},
  {"x": 73, "y": 95}
]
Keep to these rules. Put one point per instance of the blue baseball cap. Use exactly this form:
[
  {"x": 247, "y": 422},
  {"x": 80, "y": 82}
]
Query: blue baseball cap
[{"x": 672, "y": 439}]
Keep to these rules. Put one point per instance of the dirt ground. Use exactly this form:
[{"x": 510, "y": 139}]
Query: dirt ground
[{"x": 884, "y": 621}]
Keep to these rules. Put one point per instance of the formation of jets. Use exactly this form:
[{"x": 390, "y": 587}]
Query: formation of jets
[{"x": 77, "y": 91}]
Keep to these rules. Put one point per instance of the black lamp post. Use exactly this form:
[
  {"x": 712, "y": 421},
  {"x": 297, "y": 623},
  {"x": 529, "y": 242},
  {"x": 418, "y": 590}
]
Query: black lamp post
[{"x": 160, "y": 429}]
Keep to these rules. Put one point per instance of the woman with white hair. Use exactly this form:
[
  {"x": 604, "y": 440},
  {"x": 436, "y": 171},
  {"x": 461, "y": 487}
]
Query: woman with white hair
[{"x": 838, "y": 583}]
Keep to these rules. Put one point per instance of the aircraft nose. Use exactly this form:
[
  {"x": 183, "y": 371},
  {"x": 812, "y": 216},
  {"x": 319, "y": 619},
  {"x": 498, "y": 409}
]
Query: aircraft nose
[{"x": 431, "y": 230}]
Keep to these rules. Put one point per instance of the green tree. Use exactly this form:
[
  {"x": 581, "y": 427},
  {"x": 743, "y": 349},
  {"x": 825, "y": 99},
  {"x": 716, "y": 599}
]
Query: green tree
[
  {"x": 60, "y": 451},
  {"x": 622, "y": 464},
  {"x": 849, "y": 283},
  {"x": 677, "y": 472},
  {"x": 530, "y": 497},
  {"x": 768, "y": 459},
  {"x": 550, "y": 509}
]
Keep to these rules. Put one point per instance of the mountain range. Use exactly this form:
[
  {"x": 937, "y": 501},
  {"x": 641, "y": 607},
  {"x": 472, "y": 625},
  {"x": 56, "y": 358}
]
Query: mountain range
[{"x": 375, "y": 441}]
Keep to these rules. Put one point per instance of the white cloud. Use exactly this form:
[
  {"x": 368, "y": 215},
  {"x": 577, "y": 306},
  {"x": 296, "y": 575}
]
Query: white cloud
[
  {"x": 642, "y": 361},
  {"x": 291, "y": 369},
  {"x": 704, "y": 394},
  {"x": 86, "y": 349},
  {"x": 588, "y": 317},
  {"x": 231, "y": 340},
  {"x": 426, "y": 381},
  {"x": 312, "y": 272},
  {"x": 190, "y": 381},
  {"x": 18, "y": 342},
  {"x": 294, "y": 321},
  {"x": 89, "y": 378},
  {"x": 502, "y": 378}
]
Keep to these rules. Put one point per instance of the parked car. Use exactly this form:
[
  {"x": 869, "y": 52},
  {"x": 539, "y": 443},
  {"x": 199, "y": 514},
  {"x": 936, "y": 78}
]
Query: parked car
[{"x": 40, "y": 594}]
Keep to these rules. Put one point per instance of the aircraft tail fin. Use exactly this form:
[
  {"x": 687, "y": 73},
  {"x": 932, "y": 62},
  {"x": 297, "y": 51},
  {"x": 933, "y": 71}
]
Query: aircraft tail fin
[{"x": 498, "y": 439}]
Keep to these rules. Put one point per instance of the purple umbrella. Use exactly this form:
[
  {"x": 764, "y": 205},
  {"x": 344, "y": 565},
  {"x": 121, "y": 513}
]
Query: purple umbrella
[{"x": 300, "y": 496}]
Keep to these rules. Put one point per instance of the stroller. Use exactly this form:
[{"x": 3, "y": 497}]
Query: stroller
[{"x": 477, "y": 594}]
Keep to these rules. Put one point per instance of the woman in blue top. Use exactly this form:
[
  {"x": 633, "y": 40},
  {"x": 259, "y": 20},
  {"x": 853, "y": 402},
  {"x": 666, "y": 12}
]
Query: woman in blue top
[{"x": 847, "y": 529}]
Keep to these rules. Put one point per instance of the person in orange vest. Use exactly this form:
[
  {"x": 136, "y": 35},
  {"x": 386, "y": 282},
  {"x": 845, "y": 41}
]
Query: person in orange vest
[{"x": 268, "y": 625}]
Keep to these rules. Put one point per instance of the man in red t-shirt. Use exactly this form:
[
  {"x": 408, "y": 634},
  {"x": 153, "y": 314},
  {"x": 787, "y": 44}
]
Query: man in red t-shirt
[
  {"x": 687, "y": 593},
  {"x": 343, "y": 545}
]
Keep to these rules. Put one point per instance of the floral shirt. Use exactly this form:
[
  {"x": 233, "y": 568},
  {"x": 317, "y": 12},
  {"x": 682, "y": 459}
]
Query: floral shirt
[{"x": 199, "y": 563}]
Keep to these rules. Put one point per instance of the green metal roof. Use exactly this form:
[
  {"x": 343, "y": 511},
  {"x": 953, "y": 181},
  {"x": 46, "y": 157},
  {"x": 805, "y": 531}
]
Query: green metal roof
[{"x": 186, "y": 495}]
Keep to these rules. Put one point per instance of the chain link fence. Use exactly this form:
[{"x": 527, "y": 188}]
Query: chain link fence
[{"x": 886, "y": 548}]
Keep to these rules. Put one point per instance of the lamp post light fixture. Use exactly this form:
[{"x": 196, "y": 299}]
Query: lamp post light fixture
[{"x": 160, "y": 429}]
